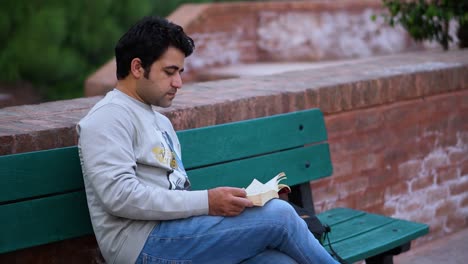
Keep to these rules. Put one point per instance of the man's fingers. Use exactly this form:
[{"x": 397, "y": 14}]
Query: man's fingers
[
  {"x": 242, "y": 202},
  {"x": 239, "y": 192}
]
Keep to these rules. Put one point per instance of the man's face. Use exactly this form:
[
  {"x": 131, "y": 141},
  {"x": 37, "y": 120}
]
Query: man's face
[{"x": 164, "y": 79}]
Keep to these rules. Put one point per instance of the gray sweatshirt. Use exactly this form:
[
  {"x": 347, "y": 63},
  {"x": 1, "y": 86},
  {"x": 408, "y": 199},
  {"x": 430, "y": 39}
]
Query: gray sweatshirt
[{"x": 126, "y": 153}]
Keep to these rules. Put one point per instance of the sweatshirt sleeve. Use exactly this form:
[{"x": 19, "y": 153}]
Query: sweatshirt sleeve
[{"x": 109, "y": 168}]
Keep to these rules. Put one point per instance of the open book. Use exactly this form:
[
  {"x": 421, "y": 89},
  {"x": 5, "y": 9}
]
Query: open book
[{"x": 260, "y": 193}]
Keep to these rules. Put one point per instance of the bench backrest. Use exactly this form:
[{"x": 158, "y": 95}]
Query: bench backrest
[{"x": 42, "y": 198}]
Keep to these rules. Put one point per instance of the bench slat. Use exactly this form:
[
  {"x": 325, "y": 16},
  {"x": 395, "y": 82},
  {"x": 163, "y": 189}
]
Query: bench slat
[
  {"x": 39, "y": 173},
  {"x": 221, "y": 143},
  {"x": 337, "y": 215},
  {"x": 357, "y": 226},
  {"x": 378, "y": 240},
  {"x": 40, "y": 221},
  {"x": 263, "y": 168}
]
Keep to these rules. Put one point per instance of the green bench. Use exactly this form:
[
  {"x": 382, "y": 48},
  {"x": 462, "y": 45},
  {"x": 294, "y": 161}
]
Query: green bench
[{"x": 42, "y": 198}]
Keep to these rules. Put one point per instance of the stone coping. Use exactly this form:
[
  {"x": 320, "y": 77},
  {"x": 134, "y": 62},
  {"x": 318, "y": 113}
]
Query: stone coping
[{"x": 336, "y": 88}]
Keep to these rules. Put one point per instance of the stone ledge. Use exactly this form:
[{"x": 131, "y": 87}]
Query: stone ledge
[{"x": 345, "y": 87}]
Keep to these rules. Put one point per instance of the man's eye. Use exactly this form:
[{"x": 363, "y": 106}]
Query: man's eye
[{"x": 170, "y": 73}]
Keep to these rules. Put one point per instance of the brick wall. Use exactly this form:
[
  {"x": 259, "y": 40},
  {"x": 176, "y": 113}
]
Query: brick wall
[
  {"x": 398, "y": 133},
  {"x": 407, "y": 159},
  {"x": 233, "y": 33}
]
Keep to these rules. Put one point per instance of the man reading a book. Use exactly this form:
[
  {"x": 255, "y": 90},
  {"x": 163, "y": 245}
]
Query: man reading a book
[{"x": 141, "y": 206}]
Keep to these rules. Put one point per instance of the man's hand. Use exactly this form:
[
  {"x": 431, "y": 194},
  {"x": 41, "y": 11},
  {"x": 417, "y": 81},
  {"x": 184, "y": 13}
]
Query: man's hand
[{"x": 227, "y": 201}]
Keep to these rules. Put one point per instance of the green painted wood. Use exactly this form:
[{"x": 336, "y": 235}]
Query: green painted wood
[
  {"x": 338, "y": 215},
  {"x": 293, "y": 162},
  {"x": 39, "y": 173},
  {"x": 40, "y": 221},
  {"x": 231, "y": 141},
  {"x": 357, "y": 226},
  {"x": 379, "y": 240}
]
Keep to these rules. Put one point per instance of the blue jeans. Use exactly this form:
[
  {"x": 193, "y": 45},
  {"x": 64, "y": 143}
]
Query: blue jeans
[{"x": 273, "y": 233}]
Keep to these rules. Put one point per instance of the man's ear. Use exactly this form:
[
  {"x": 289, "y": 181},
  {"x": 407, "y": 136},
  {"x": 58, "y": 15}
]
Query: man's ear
[{"x": 136, "y": 69}]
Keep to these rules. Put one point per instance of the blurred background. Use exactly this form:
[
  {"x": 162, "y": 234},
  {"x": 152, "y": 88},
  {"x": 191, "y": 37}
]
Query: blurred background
[{"x": 48, "y": 48}]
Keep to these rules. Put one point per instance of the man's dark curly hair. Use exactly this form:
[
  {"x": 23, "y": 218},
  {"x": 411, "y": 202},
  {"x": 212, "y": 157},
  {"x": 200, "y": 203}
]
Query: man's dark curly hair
[{"x": 147, "y": 40}]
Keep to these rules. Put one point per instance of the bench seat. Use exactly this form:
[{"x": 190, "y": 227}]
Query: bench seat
[{"x": 357, "y": 235}]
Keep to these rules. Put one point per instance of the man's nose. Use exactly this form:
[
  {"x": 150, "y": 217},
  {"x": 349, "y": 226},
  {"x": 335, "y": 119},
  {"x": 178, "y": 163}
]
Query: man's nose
[{"x": 177, "y": 81}]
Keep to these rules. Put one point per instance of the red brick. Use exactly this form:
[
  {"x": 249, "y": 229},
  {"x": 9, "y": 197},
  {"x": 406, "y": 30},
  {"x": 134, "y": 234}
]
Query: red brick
[
  {"x": 464, "y": 168},
  {"x": 445, "y": 174},
  {"x": 342, "y": 168},
  {"x": 396, "y": 190},
  {"x": 77, "y": 250},
  {"x": 370, "y": 119},
  {"x": 437, "y": 194},
  {"x": 46, "y": 139},
  {"x": 459, "y": 187},
  {"x": 409, "y": 170},
  {"x": 463, "y": 97},
  {"x": 423, "y": 217},
  {"x": 464, "y": 201},
  {"x": 375, "y": 209},
  {"x": 345, "y": 145},
  {"x": 389, "y": 210},
  {"x": 348, "y": 201},
  {"x": 411, "y": 207},
  {"x": 24, "y": 143},
  {"x": 446, "y": 208},
  {"x": 408, "y": 134},
  {"x": 443, "y": 102},
  {"x": 404, "y": 87},
  {"x": 311, "y": 98},
  {"x": 458, "y": 156},
  {"x": 394, "y": 155},
  {"x": 380, "y": 177},
  {"x": 401, "y": 114},
  {"x": 352, "y": 186},
  {"x": 435, "y": 160},
  {"x": 456, "y": 222},
  {"x": 6, "y": 144},
  {"x": 345, "y": 91},
  {"x": 325, "y": 193},
  {"x": 381, "y": 140},
  {"x": 340, "y": 124},
  {"x": 366, "y": 161},
  {"x": 437, "y": 226},
  {"x": 427, "y": 143},
  {"x": 422, "y": 182},
  {"x": 437, "y": 123},
  {"x": 321, "y": 183},
  {"x": 330, "y": 100},
  {"x": 371, "y": 197}
]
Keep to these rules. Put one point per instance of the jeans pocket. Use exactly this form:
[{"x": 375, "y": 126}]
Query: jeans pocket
[{"x": 148, "y": 259}]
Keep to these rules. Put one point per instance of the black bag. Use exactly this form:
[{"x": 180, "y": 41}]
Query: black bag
[
  {"x": 319, "y": 230},
  {"x": 313, "y": 223}
]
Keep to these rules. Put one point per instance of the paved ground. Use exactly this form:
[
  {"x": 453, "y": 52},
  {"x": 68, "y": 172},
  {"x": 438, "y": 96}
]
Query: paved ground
[{"x": 451, "y": 249}]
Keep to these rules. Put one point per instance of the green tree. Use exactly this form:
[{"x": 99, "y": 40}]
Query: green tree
[
  {"x": 55, "y": 44},
  {"x": 430, "y": 19}
]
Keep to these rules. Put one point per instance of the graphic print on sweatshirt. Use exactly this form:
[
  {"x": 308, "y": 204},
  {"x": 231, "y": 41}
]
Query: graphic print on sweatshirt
[{"x": 165, "y": 154}]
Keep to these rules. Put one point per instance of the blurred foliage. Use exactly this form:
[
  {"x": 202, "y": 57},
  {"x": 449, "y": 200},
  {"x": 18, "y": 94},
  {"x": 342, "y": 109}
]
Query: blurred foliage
[
  {"x": 56, "y": 44},
  {"x": 430, "y": 19}
]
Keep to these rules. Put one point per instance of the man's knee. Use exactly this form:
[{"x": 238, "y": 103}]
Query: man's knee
[{"x": 280, "y": 209}]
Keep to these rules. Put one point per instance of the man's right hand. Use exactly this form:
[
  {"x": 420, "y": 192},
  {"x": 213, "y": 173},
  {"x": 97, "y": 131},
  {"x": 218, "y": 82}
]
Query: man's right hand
[{"x": 227, "y": 201}]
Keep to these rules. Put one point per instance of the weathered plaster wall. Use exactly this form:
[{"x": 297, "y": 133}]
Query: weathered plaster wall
[{"x": 248, "y": 32}]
